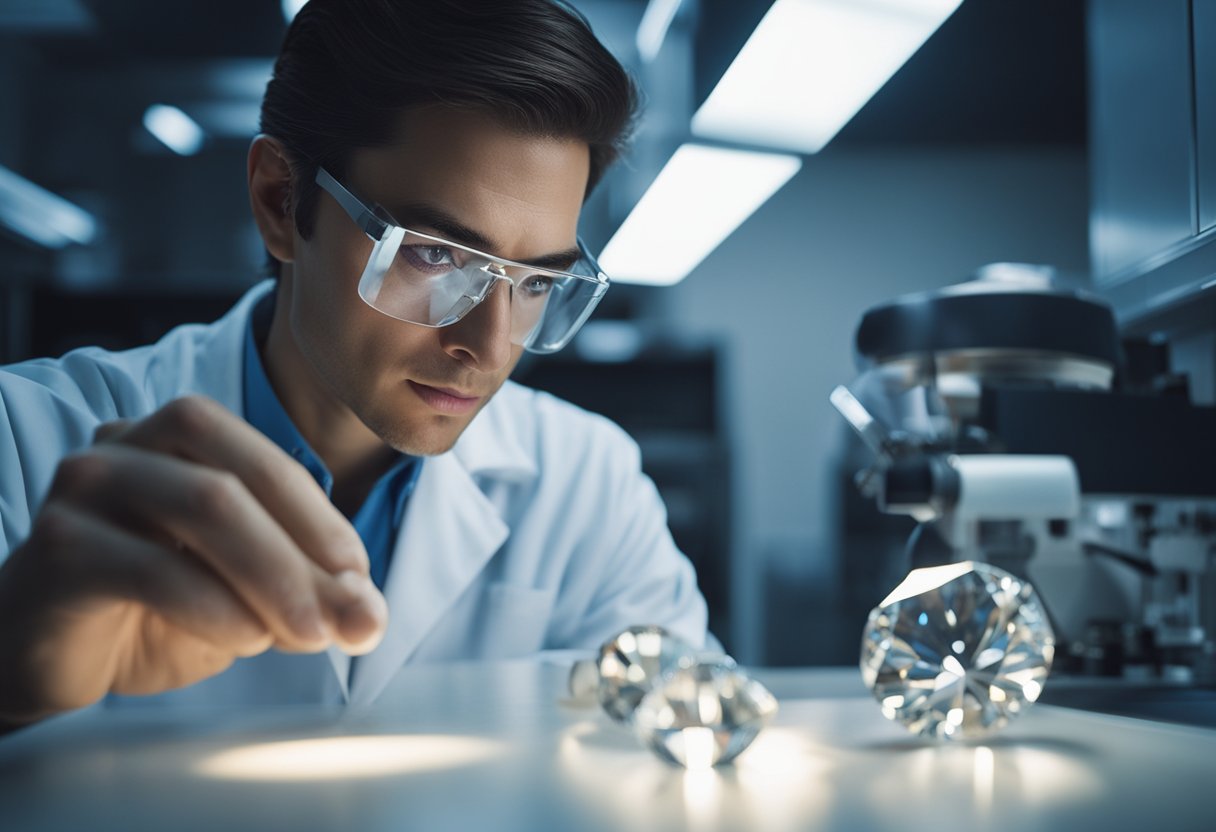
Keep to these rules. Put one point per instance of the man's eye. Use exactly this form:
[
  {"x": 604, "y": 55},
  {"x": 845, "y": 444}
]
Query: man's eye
[
  {"x": 537, "y": 285},
  {"x": 435, "y": 255}
]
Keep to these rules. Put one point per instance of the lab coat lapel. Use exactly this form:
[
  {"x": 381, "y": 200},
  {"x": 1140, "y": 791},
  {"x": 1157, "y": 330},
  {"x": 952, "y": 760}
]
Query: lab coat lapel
[
  {"x": 341, "y": 665},
  {"x": 449, "y": 533},
  {"x": 206, "y": 359}
]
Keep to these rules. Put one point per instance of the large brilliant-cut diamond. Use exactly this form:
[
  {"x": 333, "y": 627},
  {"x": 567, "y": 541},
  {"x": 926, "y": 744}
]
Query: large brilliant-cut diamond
[
  {"x": 630, "y": 664},
  {"x": 956, "y": 651},
  {"x": 703, "y": 713}
]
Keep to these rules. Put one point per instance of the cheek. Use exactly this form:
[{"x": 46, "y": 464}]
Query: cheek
[
  {"x": 332, "y": 323},
  {"x": 330, "y": 277}
]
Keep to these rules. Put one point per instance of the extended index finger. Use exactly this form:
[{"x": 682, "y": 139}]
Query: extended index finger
[{"x": 204, "y": 431}]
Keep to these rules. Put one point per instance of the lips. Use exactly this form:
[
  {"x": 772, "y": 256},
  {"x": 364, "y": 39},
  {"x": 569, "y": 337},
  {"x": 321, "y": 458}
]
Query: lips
[{"x": 444, "y": 399}]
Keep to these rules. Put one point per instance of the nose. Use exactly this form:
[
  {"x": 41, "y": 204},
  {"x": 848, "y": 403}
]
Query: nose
[{"x": 481, "y": 340}]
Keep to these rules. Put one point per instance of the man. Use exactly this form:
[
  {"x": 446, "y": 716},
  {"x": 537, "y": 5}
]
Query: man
[{"x": 215, "y": 517}]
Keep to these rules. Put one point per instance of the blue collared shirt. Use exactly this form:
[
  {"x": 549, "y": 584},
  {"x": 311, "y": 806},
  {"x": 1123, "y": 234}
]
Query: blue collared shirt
[{"x": 379, "y": 518}]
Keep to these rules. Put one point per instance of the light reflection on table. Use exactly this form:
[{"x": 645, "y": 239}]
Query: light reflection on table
[
  {"x": 778, "y": 783},
  {"x": 994, "y": 776},
  {"x": 341, "y": 758},
  {"x": 499, "y": 747}
]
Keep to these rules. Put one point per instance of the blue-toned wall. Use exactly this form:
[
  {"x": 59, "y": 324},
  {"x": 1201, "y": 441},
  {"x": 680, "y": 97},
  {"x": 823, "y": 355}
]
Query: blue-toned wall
[{"x": 785, "y": 293}]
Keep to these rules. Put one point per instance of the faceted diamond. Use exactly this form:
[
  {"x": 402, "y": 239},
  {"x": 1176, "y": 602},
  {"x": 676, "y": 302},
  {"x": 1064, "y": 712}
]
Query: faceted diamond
[
  {"x": 631, "y": 663},
  {"x": 704, "y": 712},
  {"x": 584, "y": 681},
  {"x": 956, "y": 651}
]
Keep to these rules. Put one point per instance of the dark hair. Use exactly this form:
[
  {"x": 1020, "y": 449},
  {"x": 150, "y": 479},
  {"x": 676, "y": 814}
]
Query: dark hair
[{"x": 348, "y": 68}]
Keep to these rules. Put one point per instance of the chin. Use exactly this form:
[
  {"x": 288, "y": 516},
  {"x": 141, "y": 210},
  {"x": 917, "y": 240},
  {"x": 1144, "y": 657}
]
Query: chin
[
  {"x": 416, "y": 448},
  {"x": 408, "y": 426},
  {"x": 419, "y": 440}
]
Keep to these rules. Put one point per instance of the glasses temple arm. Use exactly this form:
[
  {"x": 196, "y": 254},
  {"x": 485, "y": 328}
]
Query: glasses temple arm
[{"x": 363, "y": 216}]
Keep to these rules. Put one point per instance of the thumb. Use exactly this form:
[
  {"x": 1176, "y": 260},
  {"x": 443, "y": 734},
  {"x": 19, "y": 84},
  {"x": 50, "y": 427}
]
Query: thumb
[{"x": 111, "y": 431}]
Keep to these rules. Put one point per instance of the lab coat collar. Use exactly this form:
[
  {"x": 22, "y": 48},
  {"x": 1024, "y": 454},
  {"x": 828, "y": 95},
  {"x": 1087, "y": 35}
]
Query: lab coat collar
[
  {"x": 451, "y": 528},
  {"x": 451, "y": 531},
  {"x": 217, "y": 368},
  {"x": 495, "y": 445}
]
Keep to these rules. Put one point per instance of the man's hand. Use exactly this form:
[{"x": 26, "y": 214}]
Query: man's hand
[{"x": 166, "y": 550}]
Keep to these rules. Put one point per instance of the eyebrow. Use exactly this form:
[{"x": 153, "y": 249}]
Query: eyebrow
[{"x": 424, "y": 215}]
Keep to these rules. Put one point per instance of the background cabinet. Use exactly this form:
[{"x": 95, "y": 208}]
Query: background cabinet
[
  {"x": 1204, "y": 22},
  {"x": 1153, "y": 159}
]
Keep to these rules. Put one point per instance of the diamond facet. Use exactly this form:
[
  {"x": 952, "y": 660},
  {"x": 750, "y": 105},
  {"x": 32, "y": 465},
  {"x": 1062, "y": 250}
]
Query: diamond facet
[
  {"x": 956, "y": 651},
  {"x": 631, "y": 663},
  {"x": 704, "y": 712}
]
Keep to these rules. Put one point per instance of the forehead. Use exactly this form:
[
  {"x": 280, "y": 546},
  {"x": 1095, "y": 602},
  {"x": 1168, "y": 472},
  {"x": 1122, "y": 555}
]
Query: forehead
[{"x": 523, "y": 191}]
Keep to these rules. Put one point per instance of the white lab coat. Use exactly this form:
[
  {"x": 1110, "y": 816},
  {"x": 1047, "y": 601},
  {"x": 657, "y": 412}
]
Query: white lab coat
[{"x": 537, "y": 531}]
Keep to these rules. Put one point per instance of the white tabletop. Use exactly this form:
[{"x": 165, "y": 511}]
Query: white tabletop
[{"x": 499, "y": 747}]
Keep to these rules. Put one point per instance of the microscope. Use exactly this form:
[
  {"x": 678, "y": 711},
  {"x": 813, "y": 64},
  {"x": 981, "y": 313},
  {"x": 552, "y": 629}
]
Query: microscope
[{"x": 1006, "y": 417}]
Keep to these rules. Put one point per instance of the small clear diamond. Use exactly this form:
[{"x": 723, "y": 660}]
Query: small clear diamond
[
  {"x": 584, "y": 681},
  {"x": 703, "y": 713},
  {"x": 956, "y": 651},
  {"x": 631, "y": 663}
]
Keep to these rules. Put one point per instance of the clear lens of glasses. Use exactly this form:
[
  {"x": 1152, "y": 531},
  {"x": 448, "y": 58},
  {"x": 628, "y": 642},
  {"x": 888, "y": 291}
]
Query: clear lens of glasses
[
  {"x": 421, "y": 279},
  {"x": 424, "y": 280}
]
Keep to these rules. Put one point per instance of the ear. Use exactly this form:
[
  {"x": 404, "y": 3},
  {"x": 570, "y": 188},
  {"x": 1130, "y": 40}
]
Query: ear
[{"x": 270, "y": 196}]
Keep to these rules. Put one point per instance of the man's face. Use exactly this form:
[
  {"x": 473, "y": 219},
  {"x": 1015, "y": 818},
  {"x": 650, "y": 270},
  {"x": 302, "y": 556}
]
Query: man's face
[{"x": 459, "y": 176}]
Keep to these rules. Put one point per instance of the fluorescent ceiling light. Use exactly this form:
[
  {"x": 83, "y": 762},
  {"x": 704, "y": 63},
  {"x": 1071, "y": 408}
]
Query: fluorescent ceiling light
[
  {"x": 700, "y": 197},
  {"x": 811, "y": 65},
  {"x": 176, "y": 130},
  {"x": 41, "y": 216},
  {"x": 238, "y": 78},
  {"x": 228, "y": 119},
  {"x": 656, "y": 20},
  {"x": 45, "y": 16},
  {"x": 291, "y": 8}
]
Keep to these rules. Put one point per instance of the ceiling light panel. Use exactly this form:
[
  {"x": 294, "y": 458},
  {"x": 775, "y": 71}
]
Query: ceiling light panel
[{"x": 811, "y": 65}]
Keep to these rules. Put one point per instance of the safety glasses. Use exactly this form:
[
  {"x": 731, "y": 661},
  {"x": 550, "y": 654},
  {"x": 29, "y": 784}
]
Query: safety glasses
[{"x": 426, "y": 280}]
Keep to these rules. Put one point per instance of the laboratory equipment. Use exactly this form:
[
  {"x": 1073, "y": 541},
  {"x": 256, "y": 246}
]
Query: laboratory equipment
[{"x": 1005, "y": 415}]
